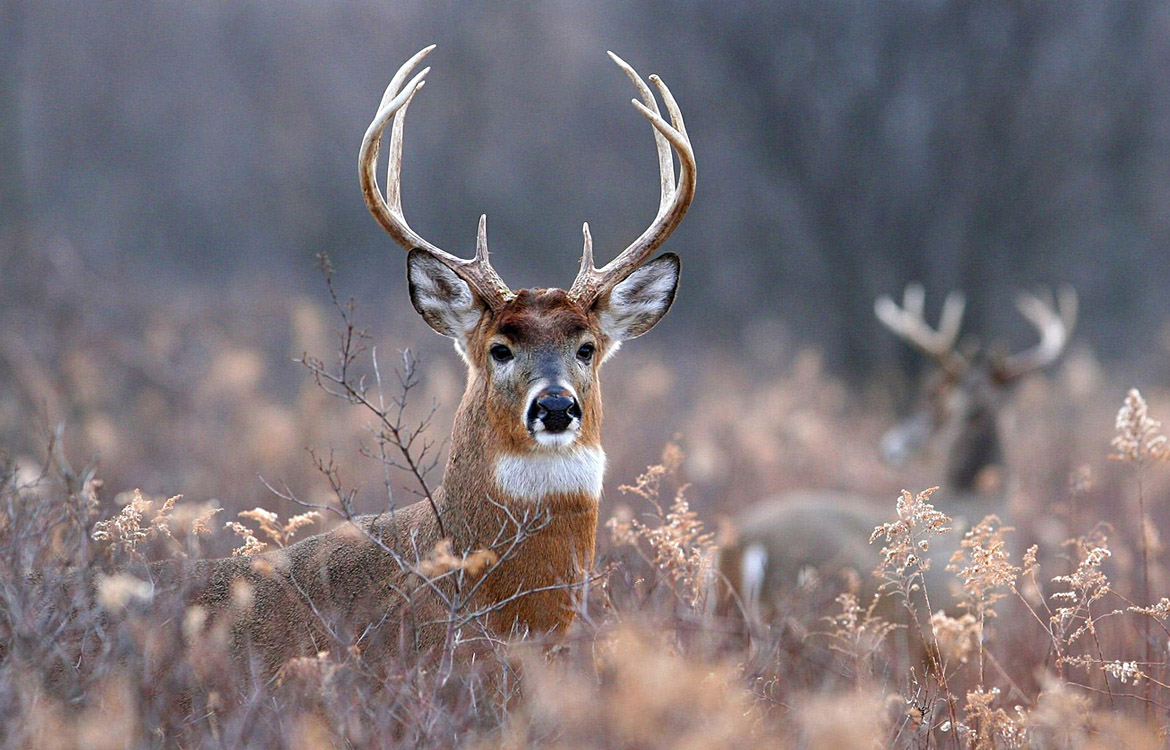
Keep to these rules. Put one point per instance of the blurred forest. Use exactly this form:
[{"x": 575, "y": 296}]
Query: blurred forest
[
  {"x": 843, "y": 147},
  {"x": 169, "y": 171}
]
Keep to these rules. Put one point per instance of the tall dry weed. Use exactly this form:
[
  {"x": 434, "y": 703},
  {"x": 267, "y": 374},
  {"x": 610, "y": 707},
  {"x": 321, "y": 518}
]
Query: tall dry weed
[
  {"x": 673, "y": 539},
  {"x": 636, "y": 690}
]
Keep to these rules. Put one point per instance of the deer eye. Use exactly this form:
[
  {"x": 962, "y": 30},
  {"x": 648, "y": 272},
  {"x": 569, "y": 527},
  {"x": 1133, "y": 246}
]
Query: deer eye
[
  {"x": 585, "y": 353},
  {"x": 500, "y": 353}
]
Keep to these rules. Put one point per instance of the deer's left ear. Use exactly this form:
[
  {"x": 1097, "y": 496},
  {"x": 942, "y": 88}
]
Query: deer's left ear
[{"x": 635, "y": 305}]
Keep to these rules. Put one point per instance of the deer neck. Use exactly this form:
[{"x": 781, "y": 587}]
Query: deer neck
[
  {"x": 977, "y": 482},
  {"x": 492, "y": 478},
  {"x": 976, "y": 449}
]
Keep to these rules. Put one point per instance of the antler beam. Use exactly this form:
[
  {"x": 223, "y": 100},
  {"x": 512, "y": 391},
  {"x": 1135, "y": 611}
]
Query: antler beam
[
  {"x": 909, "y": 322},
  {"x": 675, "y": 196},
  {"x": 387, "y": 209},
  {"x": 1054, "y": 322}
]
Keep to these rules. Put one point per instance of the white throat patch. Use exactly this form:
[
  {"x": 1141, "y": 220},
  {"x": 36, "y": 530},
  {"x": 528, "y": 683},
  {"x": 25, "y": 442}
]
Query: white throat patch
[{"x": 531, "y": 477}]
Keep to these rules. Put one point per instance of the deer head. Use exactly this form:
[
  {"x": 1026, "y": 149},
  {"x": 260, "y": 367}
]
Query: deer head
[
  {"x": 534, "y": 355},
  {"x": 959, "y": 404}
]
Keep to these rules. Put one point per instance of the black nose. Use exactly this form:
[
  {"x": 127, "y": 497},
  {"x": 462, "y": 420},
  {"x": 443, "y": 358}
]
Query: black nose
[{"x": 555, "y": 410}]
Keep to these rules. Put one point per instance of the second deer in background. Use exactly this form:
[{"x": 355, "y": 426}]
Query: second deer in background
[{"x": 780, "y": 545}]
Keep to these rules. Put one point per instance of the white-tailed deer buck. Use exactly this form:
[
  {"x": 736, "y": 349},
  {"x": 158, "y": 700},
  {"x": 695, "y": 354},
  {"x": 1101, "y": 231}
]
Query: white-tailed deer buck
[
  {"x": 776, "y": 545},
  {"x": 524, "y": 475}
]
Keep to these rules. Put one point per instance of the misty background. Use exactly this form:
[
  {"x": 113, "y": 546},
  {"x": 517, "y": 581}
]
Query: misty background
[{"x": 844, "y": 148}]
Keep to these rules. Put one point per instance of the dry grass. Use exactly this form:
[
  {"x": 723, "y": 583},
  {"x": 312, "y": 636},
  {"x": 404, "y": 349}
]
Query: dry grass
[{"x": 1062, "y": 642}]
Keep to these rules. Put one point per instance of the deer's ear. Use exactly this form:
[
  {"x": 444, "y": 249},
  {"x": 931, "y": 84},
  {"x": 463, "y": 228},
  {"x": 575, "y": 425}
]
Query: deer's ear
[
  {"x": 444, "y": 300},
  {"x": 635, "y": 305}
]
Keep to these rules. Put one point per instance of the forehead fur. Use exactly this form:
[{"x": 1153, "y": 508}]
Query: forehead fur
[{"x": 537, "y": 315}]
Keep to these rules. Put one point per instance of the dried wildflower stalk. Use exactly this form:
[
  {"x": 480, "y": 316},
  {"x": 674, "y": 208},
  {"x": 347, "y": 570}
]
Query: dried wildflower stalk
[
  {"x": 903, "y": 563},
  {"x": 1086, "y": 585},
  {"x": 442, "y": 560},
  {"x": 160, "y": 524},
  {"x": 1072, "y": 617},
  {"x": 1123, "y": 670},
  {"x": 1139, "y": 442},
  {"x": 1159, "y": 611},
  {"x": 201, "y": 524},
  {"x": 909, "y": 536},
  {"x": 680, "y": 546},
  {"x": 857, "y": 632},
  {"x": 1072, "y": 620},
  {"x": 251, "y": 545},
  {"x": 983, "y": 565},
  {"x": 126, "y": 530},
  {"x": 957, "y": 637},
  {"x": 1138, "y": 438},
  {"x": 269, "y": 523},
  {"x": 985, "y": 727},
  {"x": 280, "y": 534}
]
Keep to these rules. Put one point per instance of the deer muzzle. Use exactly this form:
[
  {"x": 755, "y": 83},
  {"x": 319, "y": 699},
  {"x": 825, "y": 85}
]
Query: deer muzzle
[
  {"x": 906, "y": 439},
  {"x": 554, "y": 411}
]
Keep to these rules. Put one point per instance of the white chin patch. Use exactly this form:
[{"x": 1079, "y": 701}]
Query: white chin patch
[
  {"x": 556, "y": 439},
  {"x": 532, "y": 476},
  {"x": 562, "y": 439}
]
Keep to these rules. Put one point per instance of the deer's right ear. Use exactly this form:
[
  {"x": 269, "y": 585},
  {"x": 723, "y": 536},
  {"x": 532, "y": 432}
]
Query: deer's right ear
[{"x": 444, "y": 300}]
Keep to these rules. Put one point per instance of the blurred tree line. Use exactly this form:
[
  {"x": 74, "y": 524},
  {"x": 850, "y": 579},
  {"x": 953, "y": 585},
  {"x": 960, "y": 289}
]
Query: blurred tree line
[{"x": 844, "y": 148}]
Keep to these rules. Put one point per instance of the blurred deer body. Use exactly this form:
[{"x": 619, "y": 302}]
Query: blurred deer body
[
  {"x": 804, "y": 540},
  {"x": 519, "y": 501}
]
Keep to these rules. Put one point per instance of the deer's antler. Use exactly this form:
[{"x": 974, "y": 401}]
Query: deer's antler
[
  {"x": 909, "y": 322},
  {"x": 387, "y": 209},
  {"x": 674, "y": 199},
  {"x": 1054, "y": 321}
]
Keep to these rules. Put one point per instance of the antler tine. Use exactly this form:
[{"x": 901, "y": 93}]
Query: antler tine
[
  {"x": 914, "y": 299},
  {"x": 661, "y": 145},
  {"x": 387, "y": 209},
  {"x": 952, "y": 316},
  {"x": 587, "y": 252},
  {"x": 909, "y": 322},
  {"x": 1055, "y": 324},
  {"x": 674, "y": 198}
]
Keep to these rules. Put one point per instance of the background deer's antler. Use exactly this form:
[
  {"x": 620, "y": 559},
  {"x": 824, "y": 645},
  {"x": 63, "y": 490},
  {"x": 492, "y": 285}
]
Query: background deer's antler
[
  {"x": 1054, "y": 321},
  {"x": 909, "y": 322}
]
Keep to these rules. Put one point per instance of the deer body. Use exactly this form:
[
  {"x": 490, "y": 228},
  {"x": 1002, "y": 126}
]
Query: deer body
[
  {"x": 809, "y": 537},
  {"x": 524, "y": 474},
  {"x": 820, "y": 540},
  {"x": 344, "y": 584}
]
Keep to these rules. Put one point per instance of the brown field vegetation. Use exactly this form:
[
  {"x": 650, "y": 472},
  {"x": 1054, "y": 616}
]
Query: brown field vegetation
[{"x": 142, "y": 439}]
